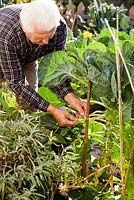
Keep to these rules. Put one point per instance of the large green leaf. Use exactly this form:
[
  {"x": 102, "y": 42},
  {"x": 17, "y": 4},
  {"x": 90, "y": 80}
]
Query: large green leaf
[
  {"x": 97, "y": 46},
  {"x": 128, "y": 52},
  {"x": 103, "y": 86},
  {"x": 105, "y": 33},
  {"x": 50, "y": 63},
  {"x": 127, "y": 97},
  {"x": 131, "y": 35},
  {"x": 43, "y": 67},
  {"x": 49, "y": 96},
  {"x": 59, "y": 74}
]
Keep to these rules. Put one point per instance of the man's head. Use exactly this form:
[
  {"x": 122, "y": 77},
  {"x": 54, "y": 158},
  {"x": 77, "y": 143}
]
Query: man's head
[{"x": 39, "y": 20}]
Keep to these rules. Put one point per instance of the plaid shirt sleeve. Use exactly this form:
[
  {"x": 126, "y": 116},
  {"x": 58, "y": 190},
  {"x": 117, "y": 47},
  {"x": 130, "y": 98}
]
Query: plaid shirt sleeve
[{"x": 14, "y": 76}]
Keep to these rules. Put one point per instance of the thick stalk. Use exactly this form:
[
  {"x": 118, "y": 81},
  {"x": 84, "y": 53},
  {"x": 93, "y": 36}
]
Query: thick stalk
[{"x": 84, "y": 163}]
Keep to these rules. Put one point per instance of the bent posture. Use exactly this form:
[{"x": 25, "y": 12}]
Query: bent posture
[{"x": 27, "y": 32}]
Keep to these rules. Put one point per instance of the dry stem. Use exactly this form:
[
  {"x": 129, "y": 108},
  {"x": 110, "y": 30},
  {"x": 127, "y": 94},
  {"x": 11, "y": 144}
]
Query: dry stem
[{"x": 84, "y": 163}]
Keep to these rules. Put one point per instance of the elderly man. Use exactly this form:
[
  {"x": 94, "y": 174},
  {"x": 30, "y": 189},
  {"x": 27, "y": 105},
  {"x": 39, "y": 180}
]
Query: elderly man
[{"x": 27, "y": 32}]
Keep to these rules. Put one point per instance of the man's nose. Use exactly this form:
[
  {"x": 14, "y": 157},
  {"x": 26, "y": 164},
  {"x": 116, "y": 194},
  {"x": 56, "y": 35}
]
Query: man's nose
[{"x": 45, "y": 41}]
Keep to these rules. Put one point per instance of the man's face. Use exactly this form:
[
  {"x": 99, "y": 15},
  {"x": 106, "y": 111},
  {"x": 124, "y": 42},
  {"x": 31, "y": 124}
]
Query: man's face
[{"x": 39, "y": 36}]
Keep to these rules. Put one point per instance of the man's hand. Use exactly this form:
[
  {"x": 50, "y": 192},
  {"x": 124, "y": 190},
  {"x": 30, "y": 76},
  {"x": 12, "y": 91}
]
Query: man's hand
[
  {"x": 77, "y": 104},
  {"x": 63, "y": 117}
]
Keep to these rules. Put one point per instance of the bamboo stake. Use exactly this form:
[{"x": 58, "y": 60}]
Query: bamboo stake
[
  {"x": 120, "y": 53},
  {"x": 84, "y": 163},
  {"x": 120, "y": 107}
]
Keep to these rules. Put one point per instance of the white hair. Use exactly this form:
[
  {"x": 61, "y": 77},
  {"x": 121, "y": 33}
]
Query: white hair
[{"x": 43, "y": 13}]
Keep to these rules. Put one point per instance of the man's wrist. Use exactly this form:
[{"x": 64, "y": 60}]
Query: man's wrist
[
  {"x": 69, "y": 97},
  {"x": 52, "y": 109}
]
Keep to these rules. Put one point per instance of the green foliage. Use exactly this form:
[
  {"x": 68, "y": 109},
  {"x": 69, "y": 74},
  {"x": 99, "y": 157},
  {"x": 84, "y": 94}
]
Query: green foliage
[
  {"x": 8, "y": 105},
  {"x": 99, "y": 11},
  {"x": 7, "y": 101},
  {"x": 96, "y": 63},
  {"x": 49, "y": 96},
  {"x": 107, "y": 195},
  {"x": 68, "y": 136},
  {"x": 82, "y": 194},
  {"x": 130, "y": 182},
  {"x": 27, "y": 165}
]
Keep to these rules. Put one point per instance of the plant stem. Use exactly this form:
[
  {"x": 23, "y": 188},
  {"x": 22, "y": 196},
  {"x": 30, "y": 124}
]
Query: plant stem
[
  {"x": 96, "y": 172},
  {"x": 84, "y": 163},
  {"x": 120, "y": 107},
  {"x": 129, "y": 162},
  {"x": 111, "y": 177}
]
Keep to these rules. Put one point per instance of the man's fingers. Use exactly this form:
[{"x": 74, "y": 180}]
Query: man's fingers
[
  {"x": 67, "y": 122},
  {"x": 66, "y": 119},
  {"x": 71, "y": 117}
]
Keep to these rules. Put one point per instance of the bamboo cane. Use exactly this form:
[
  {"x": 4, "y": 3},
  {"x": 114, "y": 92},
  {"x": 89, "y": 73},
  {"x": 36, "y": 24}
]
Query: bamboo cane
[
  {"x": 84, "y": 163},
  {"x": 118, "y": 55}
]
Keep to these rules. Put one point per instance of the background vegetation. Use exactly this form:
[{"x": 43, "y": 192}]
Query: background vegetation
[{"x": 40, "y": 160}]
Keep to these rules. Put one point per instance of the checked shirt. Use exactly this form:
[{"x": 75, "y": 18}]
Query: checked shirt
[{"x": 16, "y": 51}]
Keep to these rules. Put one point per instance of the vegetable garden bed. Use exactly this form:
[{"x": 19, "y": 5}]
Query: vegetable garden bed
[{"x": 40, "y": 160}]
